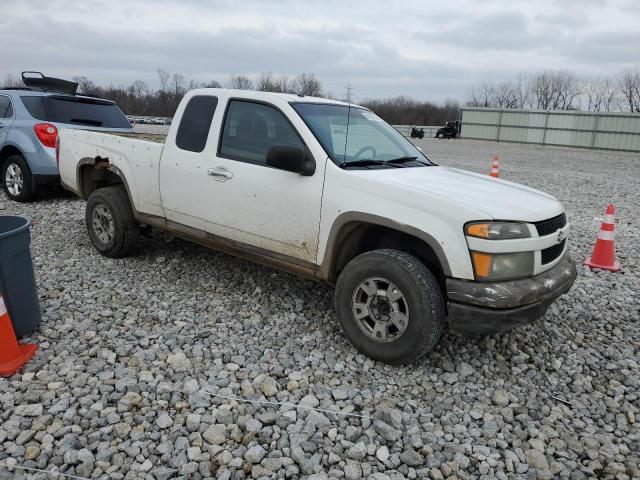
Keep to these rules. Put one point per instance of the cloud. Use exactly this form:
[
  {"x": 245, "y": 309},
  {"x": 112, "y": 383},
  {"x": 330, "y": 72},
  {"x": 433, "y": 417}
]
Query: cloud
[
  {"x": 382, "y": 49},
  {"x": 500, "y": 31}
]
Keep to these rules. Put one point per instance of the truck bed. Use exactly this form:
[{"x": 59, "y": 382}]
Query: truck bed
[{"x": 137, "y": 155}]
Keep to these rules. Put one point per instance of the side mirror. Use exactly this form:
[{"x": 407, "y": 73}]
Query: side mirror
[{"x": 291, "y": 159}]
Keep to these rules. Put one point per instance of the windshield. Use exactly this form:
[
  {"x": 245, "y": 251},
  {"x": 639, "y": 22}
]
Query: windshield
[{"x": 356, "y": 136}]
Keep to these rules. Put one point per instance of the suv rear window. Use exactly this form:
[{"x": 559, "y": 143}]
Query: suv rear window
[{"x": 76, "y": 111}]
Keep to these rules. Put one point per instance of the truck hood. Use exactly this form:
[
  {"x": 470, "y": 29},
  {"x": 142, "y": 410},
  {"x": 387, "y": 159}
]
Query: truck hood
[{"x": 496, "y": 198}]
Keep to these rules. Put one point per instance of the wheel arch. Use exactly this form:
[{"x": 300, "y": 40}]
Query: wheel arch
[
  {"x": 354, "y": 233},
  {"x": 99, "y": 172},
  {"x": 9, "y": 150}
]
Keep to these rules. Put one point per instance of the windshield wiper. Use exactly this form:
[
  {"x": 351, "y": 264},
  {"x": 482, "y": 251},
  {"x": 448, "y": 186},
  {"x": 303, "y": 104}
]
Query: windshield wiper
[
  {"x": 367, "y": 162},
  {"x": 403, "y": 160}
]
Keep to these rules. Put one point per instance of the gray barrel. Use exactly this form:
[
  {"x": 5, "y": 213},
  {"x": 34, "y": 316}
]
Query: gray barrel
[{"x": 17, "y": 281}]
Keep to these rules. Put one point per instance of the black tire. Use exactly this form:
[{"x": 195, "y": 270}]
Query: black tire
[
  {"x": 426, "y": 319},
  {"x": 440, "y": 136},
  {"x": 23, "y": 193},
  {"x": 123, "y": 228}
]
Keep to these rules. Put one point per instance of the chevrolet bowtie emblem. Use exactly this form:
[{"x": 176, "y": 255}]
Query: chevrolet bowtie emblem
[{"x": 561, "y": 236}]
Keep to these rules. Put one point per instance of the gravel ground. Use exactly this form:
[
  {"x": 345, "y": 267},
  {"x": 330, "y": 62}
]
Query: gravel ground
[{"x": 132, "y": 350}]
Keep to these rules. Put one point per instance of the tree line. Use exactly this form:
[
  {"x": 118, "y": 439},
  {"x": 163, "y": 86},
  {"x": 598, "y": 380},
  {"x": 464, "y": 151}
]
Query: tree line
[
  {"x": 139, "y": 98},
  {"x": 561, "y": 90},
  {"x": 546, "y": 90}
]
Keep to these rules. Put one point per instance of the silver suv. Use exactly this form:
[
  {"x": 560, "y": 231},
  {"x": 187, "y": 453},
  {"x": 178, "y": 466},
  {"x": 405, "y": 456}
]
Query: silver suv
[{"x": 30, "y": 118}]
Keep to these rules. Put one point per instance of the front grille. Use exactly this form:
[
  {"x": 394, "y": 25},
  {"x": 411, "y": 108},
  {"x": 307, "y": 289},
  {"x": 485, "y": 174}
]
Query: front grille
[
  {"x": 548, "y": 255},
  {"x": 547, "y": 227}
]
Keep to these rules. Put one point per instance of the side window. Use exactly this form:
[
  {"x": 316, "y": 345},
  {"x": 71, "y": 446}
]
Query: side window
[
  {"x": 250, "y": 129},
  {"x": 6, "y": 110},
  {"x": 195, "y": 123},
  {"x": 35, "y": 107}
]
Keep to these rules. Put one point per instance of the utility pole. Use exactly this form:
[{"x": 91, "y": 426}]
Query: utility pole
[{"x": 348, "y": 93}]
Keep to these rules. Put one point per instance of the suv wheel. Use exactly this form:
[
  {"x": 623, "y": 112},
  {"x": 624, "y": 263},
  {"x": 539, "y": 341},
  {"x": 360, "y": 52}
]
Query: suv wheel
[
  {"x": 16, "y": 179},
  {"x": 112, "y": 227},
  {"x": 440, "y": 135},
  {"x": 390, "y": 306}
]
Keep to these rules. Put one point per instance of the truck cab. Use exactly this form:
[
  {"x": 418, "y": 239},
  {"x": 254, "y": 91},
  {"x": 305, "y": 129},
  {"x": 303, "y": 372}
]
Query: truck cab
[{"x": 329, "y": 191}]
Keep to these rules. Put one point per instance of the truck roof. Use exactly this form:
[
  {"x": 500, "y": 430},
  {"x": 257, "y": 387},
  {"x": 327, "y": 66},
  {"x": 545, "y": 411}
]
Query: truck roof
[{"x": 267, "y": 96}]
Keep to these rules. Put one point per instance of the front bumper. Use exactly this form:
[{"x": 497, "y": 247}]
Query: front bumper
[{"x": 484, "y": 307}]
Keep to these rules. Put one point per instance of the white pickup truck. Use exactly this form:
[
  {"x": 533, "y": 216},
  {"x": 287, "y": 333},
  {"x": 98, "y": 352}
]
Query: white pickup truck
[{"x": 329, "y": 191}]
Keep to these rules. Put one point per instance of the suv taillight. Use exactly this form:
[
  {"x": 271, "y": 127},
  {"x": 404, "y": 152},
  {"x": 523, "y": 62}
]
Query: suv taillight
[
  {"x": 46, "y": 133},
  {"x": 57, "y": 149}
]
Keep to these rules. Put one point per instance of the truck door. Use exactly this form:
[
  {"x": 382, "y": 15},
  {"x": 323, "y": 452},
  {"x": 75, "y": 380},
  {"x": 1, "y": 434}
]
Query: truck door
[
  {"x": 227, "y": 190},
  {"x": 6, "y": 117}
]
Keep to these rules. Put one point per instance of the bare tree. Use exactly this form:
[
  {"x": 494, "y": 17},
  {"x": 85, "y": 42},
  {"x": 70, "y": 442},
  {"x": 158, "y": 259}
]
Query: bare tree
[
  {"x": 599, "y": 94},
  {"x": 284, "y": 84},
  {"x": 267, "y": 83},
  {"x": 629, "y": 84},
  {"x": 506, "y": 95},
  {"x": 12, "y": 81},
  {"x": 543, "y": 90},
  {"x": 567, "y": 88},
  {"x": 482, "y": 95},
  {"x": 523, "y": 85},
  {"x": 139, "y": 88},
  {"x": 164, "y": 95},
  {"x": 213, "y": 84},
  {"x": 307, "y": 84},
  {"x": 555, "y": 90},
  {"x": 240, "y": 82},
  {"x": 86, "y": 86},
  {"x": 164, "y": 76},
  {"x": 178, "y": 85}
]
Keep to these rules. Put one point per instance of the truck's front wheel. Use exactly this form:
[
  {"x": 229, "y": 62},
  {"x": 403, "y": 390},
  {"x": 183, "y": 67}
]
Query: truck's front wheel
[
  {"x": 390, "y": 306},
  {"x": 112, "y": 227}
]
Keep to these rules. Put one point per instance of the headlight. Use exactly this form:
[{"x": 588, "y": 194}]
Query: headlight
[
  {"x": 498, "y": 230},
  {"x": 502, "y": 266}
]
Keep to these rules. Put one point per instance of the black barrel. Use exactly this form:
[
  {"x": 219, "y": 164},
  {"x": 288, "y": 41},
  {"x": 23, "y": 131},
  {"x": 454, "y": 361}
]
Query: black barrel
[{"x": 17, "y": 281}]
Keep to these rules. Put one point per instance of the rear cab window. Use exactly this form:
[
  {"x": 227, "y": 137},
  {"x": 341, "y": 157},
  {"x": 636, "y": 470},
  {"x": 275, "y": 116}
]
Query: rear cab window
[
  {"x": 195, "y": 123},
  {"x": 76, "y": 111}
]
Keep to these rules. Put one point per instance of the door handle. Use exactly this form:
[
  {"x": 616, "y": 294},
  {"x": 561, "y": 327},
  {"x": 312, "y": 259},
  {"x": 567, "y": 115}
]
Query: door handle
[{"x": 220, "y": 174}]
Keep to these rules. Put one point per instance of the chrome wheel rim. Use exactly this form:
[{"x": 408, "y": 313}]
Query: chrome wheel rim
[
  {"x": 380, "y": 309},
  {"x": 102, "y": 222},
  {"x": 13, "y": 179}
]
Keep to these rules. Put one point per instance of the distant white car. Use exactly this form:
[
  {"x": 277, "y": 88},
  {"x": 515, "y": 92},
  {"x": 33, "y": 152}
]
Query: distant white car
[{"x": 329, "y": 191}]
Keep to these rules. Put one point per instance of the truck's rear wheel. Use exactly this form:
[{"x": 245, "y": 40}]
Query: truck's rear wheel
[
  {"x": 390, "y": 306},
  {"x": 16, "y": 179},
  {"x": 112, "y": 227}
]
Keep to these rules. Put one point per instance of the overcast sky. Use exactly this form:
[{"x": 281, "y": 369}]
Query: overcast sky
[{"x": 428, "y": 50}]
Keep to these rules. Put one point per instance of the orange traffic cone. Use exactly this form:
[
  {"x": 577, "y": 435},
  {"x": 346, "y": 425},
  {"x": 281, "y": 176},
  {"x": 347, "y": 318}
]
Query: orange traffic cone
[
  {"x": 12, "y": 355},
  {"x": 495, "y": 167},
  {"x": 603, "y": 256}
]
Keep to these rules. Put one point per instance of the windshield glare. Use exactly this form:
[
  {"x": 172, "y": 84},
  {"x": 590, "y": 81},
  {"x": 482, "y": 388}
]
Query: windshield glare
[{"x": 350, "y": 134}]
